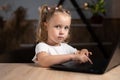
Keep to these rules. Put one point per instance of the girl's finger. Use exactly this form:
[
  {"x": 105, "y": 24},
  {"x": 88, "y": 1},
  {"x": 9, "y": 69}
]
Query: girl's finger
[
  {"x": 89, "y": 60},
  {"x": 90, "y": 53}
]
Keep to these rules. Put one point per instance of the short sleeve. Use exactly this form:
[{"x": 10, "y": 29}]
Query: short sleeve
[{"x": 39, "y": 48}]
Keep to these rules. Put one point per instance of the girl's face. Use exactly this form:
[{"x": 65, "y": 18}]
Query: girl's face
[{"x": 58, "y": 28}]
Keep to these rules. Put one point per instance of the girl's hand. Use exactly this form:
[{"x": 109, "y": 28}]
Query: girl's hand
[
  {"x": 83, "y": 56},
  {"x": 85, "y": 52}
]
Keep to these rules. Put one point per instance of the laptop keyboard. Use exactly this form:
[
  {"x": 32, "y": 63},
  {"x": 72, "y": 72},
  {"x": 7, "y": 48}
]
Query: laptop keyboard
[
  {"x": 96, "y": 67},
  {"x": 76, "y": 65}
]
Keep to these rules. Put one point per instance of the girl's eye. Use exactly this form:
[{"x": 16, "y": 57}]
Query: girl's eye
[
  {"x": 58, "y": 26},
  {"x": 67, "y": 28}
]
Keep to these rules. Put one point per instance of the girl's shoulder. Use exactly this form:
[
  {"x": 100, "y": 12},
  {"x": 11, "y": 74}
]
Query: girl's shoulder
[{"x": 65, "y": 44}]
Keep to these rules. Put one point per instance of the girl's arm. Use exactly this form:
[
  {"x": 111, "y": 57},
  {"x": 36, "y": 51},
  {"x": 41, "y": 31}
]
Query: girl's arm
[{"x": 47, "y": 60}]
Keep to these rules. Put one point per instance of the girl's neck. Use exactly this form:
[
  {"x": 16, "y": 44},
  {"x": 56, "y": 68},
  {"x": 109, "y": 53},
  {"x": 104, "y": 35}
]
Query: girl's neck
[{"x": 53, "y": 44}]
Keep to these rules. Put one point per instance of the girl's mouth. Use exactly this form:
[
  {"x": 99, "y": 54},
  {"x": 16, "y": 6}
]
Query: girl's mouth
[{"x": 60, "y": 37}]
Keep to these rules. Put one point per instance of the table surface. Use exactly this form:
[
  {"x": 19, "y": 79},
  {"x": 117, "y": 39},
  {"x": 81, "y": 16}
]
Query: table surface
[{"x": 28, "y": 71}]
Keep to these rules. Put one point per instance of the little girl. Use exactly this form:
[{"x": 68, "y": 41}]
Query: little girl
[{"x": 52, "y": 36}]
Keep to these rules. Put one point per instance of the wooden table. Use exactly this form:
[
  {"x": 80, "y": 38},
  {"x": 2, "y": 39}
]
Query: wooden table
[{"x": 28, "y": 71}]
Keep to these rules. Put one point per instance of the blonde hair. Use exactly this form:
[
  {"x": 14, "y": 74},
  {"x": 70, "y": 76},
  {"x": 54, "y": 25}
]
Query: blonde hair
[{"x": 45, "y": 15}]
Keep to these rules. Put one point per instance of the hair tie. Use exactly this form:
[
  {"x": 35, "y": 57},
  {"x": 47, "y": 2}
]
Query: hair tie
[
  {"x": 48, "y": 8},
  {"x": 56, "y": 8}
]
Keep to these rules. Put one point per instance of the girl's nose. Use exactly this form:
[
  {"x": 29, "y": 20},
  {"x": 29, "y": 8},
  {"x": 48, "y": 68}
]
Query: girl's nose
[{"x": 61, "y": 31}]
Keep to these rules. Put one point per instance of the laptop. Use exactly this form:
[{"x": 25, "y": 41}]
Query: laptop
[{"x": 102, "y": 62}]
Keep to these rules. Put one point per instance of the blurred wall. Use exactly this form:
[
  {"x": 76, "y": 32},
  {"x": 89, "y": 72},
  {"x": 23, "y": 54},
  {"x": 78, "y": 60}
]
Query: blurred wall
[{"x": 112, "y": 7}]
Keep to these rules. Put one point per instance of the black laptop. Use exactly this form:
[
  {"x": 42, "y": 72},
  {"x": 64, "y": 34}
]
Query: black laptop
[{"x": 102, "y": 62}]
